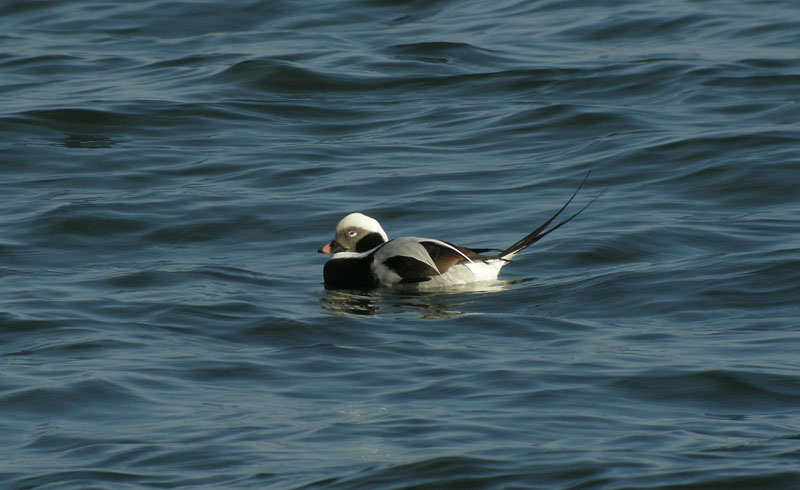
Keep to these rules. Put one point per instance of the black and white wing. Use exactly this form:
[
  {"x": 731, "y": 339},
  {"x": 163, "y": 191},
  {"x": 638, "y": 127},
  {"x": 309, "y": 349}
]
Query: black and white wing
[{"x": 410, "y": 260}]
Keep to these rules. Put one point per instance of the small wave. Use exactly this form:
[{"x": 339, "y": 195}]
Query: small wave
[
  {"x": 462, "y": 54},
  {"x": 286, "y": 77},
  {"x": 88, "y": 220},
  {"x": 749, "y": 391},
  {"x": 85, "y": 399},
  {"x": 635, "y": 25}
]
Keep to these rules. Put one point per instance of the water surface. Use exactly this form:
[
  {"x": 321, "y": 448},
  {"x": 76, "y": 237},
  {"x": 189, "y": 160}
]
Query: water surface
[{"x": 169, "y": 169}]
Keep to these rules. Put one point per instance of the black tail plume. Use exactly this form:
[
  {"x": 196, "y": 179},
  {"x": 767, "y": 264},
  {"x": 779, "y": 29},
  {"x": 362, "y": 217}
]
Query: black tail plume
[{"x": 542, "y": 231}]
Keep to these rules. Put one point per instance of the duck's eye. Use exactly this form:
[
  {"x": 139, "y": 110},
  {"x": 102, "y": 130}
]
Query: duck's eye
[{"x": 351, "y": 233}]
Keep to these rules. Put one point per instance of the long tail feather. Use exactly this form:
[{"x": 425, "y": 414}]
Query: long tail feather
[{"x": 542, "y": 231}]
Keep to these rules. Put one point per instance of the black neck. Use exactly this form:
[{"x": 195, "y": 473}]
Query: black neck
[{"x": 368, "y": 242}]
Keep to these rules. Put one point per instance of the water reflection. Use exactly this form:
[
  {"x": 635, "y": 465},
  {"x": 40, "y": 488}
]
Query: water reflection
[
  {"x": 87, "y": 141},
  {"x": 424, "y": 305}
]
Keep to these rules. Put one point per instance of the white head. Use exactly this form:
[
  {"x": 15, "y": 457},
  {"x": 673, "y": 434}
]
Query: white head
[{"x": 356, "y": 232}]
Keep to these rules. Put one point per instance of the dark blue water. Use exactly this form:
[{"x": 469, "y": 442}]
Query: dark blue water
[{"x": 168, "y": 170}]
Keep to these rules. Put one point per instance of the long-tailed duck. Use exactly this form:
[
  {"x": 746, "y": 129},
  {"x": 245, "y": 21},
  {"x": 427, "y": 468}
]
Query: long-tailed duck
[{"x": 363, "y": 257}]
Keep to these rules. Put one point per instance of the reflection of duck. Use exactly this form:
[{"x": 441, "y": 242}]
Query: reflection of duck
[
  {"x": 351, "y": 302},
  {"x": 424, "y": 306},
  {"x": 363, "y": 257}
]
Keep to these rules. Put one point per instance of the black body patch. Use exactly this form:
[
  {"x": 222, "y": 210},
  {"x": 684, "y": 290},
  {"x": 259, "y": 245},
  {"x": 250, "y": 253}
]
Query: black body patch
[{"x": 349, "y": 273}]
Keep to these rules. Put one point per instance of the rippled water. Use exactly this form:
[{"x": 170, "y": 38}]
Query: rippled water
[{"x": 168, "y": 170}]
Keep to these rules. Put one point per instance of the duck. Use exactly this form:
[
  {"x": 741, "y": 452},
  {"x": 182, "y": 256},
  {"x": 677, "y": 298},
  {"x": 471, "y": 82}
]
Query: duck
[{"x": 362, "y": 257}]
